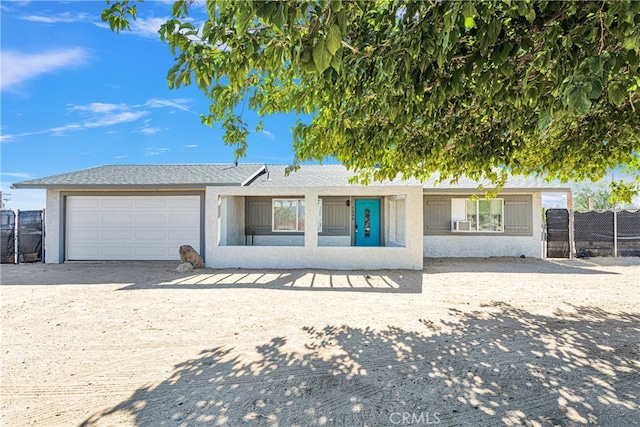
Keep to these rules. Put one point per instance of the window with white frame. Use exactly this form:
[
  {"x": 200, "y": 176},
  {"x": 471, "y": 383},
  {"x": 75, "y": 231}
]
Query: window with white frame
[
  {"x": 289, "y": 214},
  {"x": 477, "y": 215}
]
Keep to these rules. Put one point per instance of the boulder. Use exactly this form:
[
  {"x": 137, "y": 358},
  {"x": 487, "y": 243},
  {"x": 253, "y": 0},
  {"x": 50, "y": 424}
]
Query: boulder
[
  {"x": 188, "y": 254},
  {"x": 184, "y": 267}
]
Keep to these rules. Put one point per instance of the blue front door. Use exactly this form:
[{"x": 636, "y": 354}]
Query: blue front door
[{"x": 367, "y": 222}]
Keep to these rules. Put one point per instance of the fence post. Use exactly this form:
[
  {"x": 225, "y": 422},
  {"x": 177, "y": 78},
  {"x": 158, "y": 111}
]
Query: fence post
[
  {"x": 615, "y": 233},
  {"x": 572, "y": 243},
  {"x": 42, "y": 237},
  {"x": 16, "y": 239}
]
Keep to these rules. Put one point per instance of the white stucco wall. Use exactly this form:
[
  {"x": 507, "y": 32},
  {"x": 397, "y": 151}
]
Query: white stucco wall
[
  {"x": 52, "y": 239},
  {"x": 469, "y": 245},
  {"x": 232, "y": 227},
  {"x": 334, "y": 240},
  {"x": 395, "y": 225},
  {"x": 280, "y": 240},
  {"x": 313, "y": 254}
]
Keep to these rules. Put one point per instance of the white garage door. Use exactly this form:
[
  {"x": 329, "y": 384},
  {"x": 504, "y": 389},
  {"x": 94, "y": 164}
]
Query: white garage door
[{"x": 131, "y": 227}]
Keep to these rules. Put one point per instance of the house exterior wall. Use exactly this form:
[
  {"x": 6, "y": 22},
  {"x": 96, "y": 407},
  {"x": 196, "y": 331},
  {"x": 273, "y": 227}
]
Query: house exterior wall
[
  {"x": 231, "y": 221},
  {"x": 54, "y": 217},
  {"x": 334, "y": 240},
  {"x": 448, "y": 244},
  {"x": 313, "y": 253},
  {"x": 395, "y": 226}
]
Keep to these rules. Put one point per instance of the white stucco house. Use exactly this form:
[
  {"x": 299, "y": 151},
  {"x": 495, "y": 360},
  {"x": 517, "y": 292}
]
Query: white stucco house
[{"x": 253, "y": 216}]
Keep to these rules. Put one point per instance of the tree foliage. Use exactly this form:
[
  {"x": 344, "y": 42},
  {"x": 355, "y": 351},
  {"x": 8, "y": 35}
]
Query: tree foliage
[
  {"x": 413, "y": 87},
  {"x": 599, "y": 193}
]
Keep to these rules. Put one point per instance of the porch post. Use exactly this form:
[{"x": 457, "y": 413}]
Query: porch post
[{"x": 311, "y": 220}]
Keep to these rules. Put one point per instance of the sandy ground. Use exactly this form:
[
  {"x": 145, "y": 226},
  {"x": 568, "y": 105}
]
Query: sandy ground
[{"x": 483, "y": 342}]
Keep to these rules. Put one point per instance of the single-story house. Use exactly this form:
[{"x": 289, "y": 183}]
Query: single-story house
[{"x": 253, "y": 216}]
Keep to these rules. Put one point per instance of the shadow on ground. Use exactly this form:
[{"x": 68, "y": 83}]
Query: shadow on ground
[
  {"x": 498, "y": 366},
  {"x": 386, "y": 281},
  {"x": 526, "y": 265},
  {"x": 134, "y": 275}
]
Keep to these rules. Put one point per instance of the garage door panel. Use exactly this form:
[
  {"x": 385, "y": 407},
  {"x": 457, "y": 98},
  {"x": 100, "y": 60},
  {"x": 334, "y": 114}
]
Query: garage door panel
[
  {"x": 158, "y": 236},
  {"x": 179, "y": 235},
  {"x": 150, "y": 219},
  {"x": 152, "y": 203},
  {"x": 87, "y": 235},
  {"x": 116, "y": 219},
  {"x": 182, "y": 219},
  {"x": 116, "y": 203},
  {"x": 86, "y": 219},
  {"x": 182, "y": 204},
  {"x": 116, "y": 235},
  {"x": 154, "y": 252},
  {"x": 85, "y": 203},
  {"x": 131, "y": 227},
  {"x": 112, "y": 251}
]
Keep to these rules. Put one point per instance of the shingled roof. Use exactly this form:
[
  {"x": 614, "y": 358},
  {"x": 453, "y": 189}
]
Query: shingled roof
[
  {"x": 338, "y": 175},
  {"x": 255, "y": 175},
  {"x": 314, "y": 176},
  {"x": 149, "y": 176}
]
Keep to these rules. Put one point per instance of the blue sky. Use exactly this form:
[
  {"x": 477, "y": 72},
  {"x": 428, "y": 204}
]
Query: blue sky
[{"x": 75, "y": 95}]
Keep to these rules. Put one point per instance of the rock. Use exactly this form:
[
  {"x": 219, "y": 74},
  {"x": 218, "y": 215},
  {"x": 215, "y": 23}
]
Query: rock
[
  {"x": 184, "y": 267},
  {"x": 188, "y": 254}
]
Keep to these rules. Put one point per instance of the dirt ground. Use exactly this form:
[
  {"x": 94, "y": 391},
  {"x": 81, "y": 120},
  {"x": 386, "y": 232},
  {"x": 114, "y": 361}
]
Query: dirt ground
[{"x": 484, "y": 342}]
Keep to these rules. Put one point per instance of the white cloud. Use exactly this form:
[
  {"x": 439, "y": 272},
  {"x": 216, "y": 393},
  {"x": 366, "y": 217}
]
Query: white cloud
[
  {"x": 147, "y": 27},
  {"x": 98, "y": 115},
  {"x": 120, "y": 157},
  {"x": 191, "y": 146},
  {"x": 18, "y": 67},
  {"x": 21, "y": 175},
  {"x": 98, "y": 107},
  {"x": 65, "y": 17},
  {"x": 267, "y": 134},
  {"x": 150, "y": 131},
  {"x": 155, "y": 151},
  {"x": 178, "y": 103}
]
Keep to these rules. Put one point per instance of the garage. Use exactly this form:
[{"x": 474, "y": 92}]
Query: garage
[{"x": 131, "y": 227}]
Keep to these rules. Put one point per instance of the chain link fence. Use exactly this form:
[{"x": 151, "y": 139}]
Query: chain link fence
[
  {"x": 22, "y": 236},
  {"x": 557, "y": 233},
  {"x": 595, "y": 233},
  {"x": 8, "y": 231}
]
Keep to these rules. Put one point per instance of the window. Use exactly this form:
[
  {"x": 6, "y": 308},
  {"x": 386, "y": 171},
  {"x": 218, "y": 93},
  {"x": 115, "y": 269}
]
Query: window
[
  {"x": 477, "y": 215},
  {"x": 288, "y": 215}
]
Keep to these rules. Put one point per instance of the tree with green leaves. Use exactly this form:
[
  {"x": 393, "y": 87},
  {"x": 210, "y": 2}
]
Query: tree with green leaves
[{"x": 409, "y": 88}]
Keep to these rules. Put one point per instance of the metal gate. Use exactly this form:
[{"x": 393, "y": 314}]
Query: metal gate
[
  {"x": 30, "y": 231},
  {"x": 557, "y": 233},
  {"x": 8, "y": 237}
]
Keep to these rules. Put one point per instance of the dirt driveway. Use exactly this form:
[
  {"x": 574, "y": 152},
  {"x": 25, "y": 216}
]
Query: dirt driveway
[{"x": 483, "y": 342}]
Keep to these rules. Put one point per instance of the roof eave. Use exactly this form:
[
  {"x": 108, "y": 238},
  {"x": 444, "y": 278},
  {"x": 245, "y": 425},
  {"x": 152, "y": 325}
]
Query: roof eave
[
  {"x": 504, "y": 190},
  {"x": 19, "y": 186}
]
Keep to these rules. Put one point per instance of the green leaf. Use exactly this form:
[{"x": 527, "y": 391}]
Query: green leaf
[
  {"x": 244, "y": 19},
  {"x": 544, "y": 120},
  {"x": 469, "y": 22},
  {"x": 596, "y": 88},
  {"x": 495, "y": 27},
  {"x": 616, "y": 93},
  {"x": 321, "y": 56},
  {"x": 336, "y": 63},
  {"x": 334, "y": 38},
  {"x": 578, "y": 99}
]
